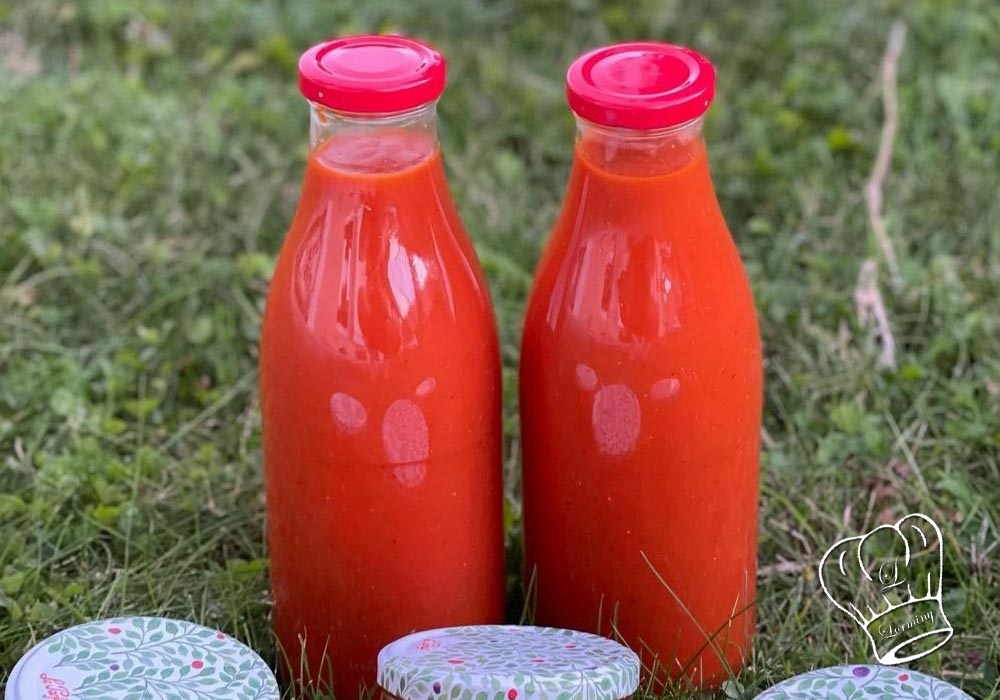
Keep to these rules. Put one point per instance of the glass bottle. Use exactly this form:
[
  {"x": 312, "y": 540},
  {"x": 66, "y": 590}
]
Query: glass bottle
[
  {"x": 380, "y": 379},
  {"x": 641, "y": 380}
]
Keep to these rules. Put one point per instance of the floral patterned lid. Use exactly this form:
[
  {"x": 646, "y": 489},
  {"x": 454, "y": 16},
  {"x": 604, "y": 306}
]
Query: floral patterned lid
[
  {"x": 863, "y": 683},
  {"x": 507, "y": 662},
  {"x": 132, "y": 658}
]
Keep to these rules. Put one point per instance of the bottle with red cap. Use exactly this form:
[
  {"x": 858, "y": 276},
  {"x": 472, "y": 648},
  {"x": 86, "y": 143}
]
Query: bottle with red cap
[
  {"x": 380, "y": 379},
  {"x": 641, "y": 381}
]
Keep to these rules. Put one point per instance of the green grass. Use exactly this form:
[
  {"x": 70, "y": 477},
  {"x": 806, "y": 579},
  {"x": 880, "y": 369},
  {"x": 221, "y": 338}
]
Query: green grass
[{"x": 151, "y": 154}]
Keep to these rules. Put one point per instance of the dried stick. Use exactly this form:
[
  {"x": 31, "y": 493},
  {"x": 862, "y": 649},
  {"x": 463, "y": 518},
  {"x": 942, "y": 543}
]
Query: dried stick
[
  {"x": 867, "y": 297},
  {"x": 871, "y": 308},
  {"x": 873, "y": 189}
]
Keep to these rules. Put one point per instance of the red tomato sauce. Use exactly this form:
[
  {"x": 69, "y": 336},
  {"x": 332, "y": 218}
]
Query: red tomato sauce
[
  {"x": 640, "y": 396},
  {"x": 380, "y": 385}
]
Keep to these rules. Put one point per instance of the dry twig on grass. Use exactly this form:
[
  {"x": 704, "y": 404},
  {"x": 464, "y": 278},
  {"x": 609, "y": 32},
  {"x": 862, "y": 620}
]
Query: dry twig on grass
[
  {"x": 871, "y": 309},
  {"x": 867, "y": 298},
  {"x": 873, "y": 188}
]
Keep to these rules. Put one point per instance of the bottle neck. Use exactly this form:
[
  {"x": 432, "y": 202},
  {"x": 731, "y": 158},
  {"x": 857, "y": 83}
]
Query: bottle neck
[
  {"x": 372, "y": 143},
  {"x": 639, "y": 154}
]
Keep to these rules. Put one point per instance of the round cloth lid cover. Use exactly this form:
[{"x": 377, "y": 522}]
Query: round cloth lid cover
[
  {"x": 863, "y": 683},
  {"x": 119, "y": 659},
  {"x": 507, "y": 662}
]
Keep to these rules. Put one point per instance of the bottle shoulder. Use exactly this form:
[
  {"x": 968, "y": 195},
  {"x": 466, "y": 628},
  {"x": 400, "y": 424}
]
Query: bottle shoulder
[
  {"x": 636, "y": 286},
  {"x": 374, "y": 270}
]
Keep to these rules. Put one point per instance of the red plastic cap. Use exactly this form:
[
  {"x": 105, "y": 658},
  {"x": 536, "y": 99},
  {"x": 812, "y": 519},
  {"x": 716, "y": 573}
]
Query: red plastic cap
[
  {"x": 372, "y": 74},
  {"x": 641, "y": 85}
]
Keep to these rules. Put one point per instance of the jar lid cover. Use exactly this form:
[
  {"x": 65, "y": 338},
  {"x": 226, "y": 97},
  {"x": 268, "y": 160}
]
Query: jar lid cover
[
  {"x": 846, "y": 682},
  {"x": 507, "y": 662},
  {"x": 640, "y": 85},
  {"x": 119, "y": 658},
  {"x": 372, "y": 74}
]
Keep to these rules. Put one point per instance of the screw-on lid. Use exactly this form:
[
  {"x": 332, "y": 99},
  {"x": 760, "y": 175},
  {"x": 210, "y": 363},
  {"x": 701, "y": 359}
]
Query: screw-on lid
[
  {"x": 505, "y": 662},
  {"x": 123, "y": 657},
  {"x": 640, "y": 85},
  {"x": 372, "y": 74},
  {"x": 848, "y": 682}
]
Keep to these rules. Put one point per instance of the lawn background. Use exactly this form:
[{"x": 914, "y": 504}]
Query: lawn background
[{"x": 150, "y": 158}]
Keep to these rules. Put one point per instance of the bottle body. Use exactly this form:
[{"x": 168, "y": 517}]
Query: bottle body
[
  {"x": 380, "y": 400},
  {"x": 641, "y": 393}
]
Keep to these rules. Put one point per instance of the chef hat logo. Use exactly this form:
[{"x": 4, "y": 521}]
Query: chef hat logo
[{"x": 889, "y": 582}]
